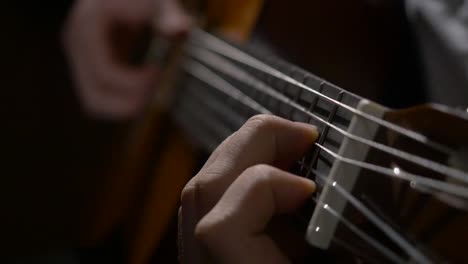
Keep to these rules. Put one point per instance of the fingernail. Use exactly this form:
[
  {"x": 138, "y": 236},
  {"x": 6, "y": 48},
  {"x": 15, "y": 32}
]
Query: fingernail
[
  {"x": 313, "y": 129},
  {"x": 310, "y": 184}
]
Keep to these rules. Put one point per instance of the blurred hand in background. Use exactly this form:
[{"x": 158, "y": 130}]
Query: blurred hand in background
[{"x": 99, "y": 37}]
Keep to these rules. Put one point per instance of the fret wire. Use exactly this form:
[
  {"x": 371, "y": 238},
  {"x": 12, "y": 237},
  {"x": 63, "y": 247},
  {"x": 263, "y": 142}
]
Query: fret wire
[
  {"x": 419, "y": 180},
  {"x": 361, "y": 207},
  {"x": 270, "y": 79},
  {"x": 224, "y": 49},
  {"x": 296, "y": 99},
  {"x": 315, "y": 101},
  {"x": 223, "y": 65},
  {"x": 201, "y": 117},
  {"x": 196, "y": 115},
  {"x": 326, "y": 129},
  {"x": 282, "y": 90},
  {"x": 311, "y": 110}
]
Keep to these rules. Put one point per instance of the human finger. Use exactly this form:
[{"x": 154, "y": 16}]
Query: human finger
[
  {"x": 264, "y": 139},
  {"x": 233, "y": 231},
  {"x": 172, "y": 21}
]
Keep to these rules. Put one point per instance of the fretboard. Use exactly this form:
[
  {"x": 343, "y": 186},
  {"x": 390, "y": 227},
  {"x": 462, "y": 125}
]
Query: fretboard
[
  {"x": 222, "y": 85},
  {"x": 217, "y": 95}
]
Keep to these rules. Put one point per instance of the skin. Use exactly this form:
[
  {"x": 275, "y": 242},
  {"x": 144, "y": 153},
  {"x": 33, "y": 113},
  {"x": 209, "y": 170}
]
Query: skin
[
  {"x": 226, "y": 207},
  {"x": 108, "y": 86}
]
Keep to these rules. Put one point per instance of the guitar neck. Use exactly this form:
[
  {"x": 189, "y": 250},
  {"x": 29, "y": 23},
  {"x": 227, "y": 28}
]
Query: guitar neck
[
  {"x": 234, "y": 92},
  {"x": 222, "y": 85}
]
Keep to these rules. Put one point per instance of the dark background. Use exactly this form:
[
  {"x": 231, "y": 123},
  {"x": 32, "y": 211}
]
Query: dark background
[{"x": 47, "y": 141}]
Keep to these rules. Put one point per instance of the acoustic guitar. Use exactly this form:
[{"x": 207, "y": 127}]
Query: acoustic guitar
[{"x": 392, "y": 183}]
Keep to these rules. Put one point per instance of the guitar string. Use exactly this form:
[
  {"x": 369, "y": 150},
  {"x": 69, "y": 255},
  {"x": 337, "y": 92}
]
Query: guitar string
[
  {"x": 352, "y": 248},
  {"x": 399, "y": 240},
  {"x": 199, "y": 117},
  {"x": 222, "y": 48},
  {"x": 218, "y": 63},
  {"x": 206, "y": 121},
  {"x": 366, "y": 212},
  {"x": 360, "y": 233},
  {"x": 214, "y": 80},
  {"x": 440, "y": 168}
]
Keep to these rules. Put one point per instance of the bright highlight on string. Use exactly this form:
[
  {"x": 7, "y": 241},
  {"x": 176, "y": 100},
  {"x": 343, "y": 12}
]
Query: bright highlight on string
[
  {"x": 317, "y": 228},
  {"x": 396, "y": 170},
  {"x": 215, "y": 61}
]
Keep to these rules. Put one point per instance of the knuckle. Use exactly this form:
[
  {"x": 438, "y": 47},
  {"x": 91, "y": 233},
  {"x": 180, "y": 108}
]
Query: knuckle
[
  {"x": 260, "y": 122},
  {"x": 191, "y": 189},
  {"x": 258, "y": 175},
  {"x": 205, "y": 231},
  {"x": 209, "y": 229},
  {"x": 258, "y": 169},
  {"x": 196, "y": 194}
]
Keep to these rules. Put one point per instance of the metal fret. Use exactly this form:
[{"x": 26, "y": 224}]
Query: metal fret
[
  {"x": 307, "y": 105},
  {"x": 324, "y": 132},
  {"x": 313, "y": 105},
  {"x": 270, "y": 80},
  {"x": 296, "y": 98},
  {"x": 310, "y": 109},
  {"x": 282, "y": 89}
]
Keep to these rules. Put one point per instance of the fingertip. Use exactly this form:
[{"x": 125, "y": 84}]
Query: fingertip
[
  {"x": 309, "y": 185},
  {"x": 173, "y": 22},
  {"x": 312, "y": 130}
]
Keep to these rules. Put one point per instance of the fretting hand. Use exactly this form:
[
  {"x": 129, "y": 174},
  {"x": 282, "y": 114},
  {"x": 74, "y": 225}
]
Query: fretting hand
[
  {"x": 109, "y": 86},
  {"x": 228, "y": 204}
]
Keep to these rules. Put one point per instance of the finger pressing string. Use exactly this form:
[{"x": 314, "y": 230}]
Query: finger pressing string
[{"x": 234, "y": 227}]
